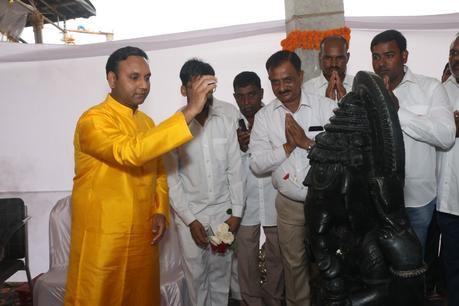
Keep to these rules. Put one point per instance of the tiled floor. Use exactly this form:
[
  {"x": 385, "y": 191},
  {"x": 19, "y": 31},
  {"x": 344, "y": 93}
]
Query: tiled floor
[
  {"x": 437, "y": 301},
  {"x": 8, "y": 297}
]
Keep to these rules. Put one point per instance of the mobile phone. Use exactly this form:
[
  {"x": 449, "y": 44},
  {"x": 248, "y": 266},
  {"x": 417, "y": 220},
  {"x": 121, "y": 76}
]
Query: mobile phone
[{"x": 242, "y": 125}]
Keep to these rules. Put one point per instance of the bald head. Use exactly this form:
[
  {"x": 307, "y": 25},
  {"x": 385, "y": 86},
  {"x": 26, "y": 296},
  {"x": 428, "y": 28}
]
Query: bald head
[{"x": 333, "y": 56}]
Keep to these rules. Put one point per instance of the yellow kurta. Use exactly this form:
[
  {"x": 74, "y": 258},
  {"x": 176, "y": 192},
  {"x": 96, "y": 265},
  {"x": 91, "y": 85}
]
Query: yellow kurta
[{"x": 119, "y": 183}]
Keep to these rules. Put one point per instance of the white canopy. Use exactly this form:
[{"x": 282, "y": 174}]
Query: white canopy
[{"x": 45, "y": 88}]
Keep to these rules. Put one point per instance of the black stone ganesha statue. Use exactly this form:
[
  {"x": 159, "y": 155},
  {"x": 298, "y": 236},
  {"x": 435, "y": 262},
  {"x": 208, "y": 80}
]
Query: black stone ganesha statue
[{"x": 361, "y": 240}]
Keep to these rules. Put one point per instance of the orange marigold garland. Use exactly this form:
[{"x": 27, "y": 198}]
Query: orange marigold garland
[{"x": 311, "y": 39}]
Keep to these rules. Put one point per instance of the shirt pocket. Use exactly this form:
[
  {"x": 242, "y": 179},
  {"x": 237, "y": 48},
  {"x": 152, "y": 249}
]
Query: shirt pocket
[{"x": 220, "y": 148}]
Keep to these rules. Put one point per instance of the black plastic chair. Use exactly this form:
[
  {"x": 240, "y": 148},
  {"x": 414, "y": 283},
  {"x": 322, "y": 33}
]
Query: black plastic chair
[{"x": 13, "y": 239}]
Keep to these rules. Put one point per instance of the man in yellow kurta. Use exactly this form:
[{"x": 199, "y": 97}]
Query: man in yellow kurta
[{"x": 120, "y": 195}]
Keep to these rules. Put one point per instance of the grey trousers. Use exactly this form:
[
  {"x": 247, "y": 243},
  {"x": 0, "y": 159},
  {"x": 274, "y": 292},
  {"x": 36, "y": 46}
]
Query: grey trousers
[{"x": 248, "y": 244}]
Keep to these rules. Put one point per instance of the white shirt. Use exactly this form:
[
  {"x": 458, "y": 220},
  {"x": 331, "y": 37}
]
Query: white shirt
[
  {"x": 427, "y": 122},
  {"x": 318, "y": 85},
  {"x": 207, "y": 170},
  {"x": 268, "y": 137},
  {"x": 448, "y": 161},
  {"x": 259, "y": 195},
  {"x": 229, "y": 110}
]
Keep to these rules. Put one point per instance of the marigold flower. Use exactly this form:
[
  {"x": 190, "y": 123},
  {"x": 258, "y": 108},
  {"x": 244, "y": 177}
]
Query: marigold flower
[{"x": 310, "y": 40}]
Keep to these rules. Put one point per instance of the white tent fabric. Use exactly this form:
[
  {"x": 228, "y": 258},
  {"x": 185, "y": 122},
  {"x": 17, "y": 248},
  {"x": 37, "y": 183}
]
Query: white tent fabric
[
  {"x": 430, "y": 22},
  {"x": 45, "y": 88},
  {"x": 44, "y": 52}
]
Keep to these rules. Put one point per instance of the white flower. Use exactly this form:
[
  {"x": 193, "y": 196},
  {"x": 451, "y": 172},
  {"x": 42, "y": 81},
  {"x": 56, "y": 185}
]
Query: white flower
[
  {"x": 215, "y": 240},
  {"x": 223, "y": 228},
  {"x": 227, "y": 238},
  {"x": 222, "y": 235}
]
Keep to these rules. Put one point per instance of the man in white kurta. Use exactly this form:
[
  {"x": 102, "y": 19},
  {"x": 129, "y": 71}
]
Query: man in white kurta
[
  {"x": 282, "y": 133},
  {"x": 205, "y": 190},
  {"x": 448, "y": 188}
]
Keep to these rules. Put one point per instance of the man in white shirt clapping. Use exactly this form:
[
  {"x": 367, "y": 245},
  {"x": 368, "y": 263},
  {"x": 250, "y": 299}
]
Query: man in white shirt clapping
[{"x": 282, "y": 134}]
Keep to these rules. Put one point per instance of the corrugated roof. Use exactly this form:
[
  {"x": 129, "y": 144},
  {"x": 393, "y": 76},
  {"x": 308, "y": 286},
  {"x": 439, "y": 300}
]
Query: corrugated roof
[{"x": 59, "y": 10}]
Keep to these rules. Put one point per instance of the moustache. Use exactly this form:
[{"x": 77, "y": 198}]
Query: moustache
[
  {"x": 383, "y": 71},
  {"x": 249, "y": 108}
]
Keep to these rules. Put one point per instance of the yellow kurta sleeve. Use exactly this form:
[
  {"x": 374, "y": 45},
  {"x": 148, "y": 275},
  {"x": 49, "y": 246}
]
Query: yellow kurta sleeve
[
  {"x": 161, "y": 205},
  {"x": 101, "y": 138}
]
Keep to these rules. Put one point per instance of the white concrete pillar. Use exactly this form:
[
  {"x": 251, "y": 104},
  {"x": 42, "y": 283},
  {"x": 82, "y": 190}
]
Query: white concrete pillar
[{"x": 308, "y": 15}]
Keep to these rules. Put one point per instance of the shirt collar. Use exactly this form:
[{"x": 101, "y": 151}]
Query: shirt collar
[
  {"x": 322, "y": 80},
  {"x": 118, "y": 107},
  {"x": 408, "y": 77},
  {"x": 304, "y": 101},
  {"x": 452, "y": 79},
  {"x": 215, "y": 109},
  {"x": 245, "y": 118}
]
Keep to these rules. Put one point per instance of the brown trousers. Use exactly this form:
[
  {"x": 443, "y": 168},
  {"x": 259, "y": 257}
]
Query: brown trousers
[
  {"x": 248, "y": 244},
  {"x": 292, "y": 236}
]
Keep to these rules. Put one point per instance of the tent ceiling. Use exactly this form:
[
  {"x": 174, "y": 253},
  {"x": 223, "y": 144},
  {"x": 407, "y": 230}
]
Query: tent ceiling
[{"x": 59, "y": 10}]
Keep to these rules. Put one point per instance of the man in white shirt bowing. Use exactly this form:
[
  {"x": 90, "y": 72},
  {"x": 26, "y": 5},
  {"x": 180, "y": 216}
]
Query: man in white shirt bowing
[
  {"x": 448, "y": 187},
  {"x": 426, "y": 119},
  {"x": 205, "y": 191},
  {"x": 282, "y": 134}
]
